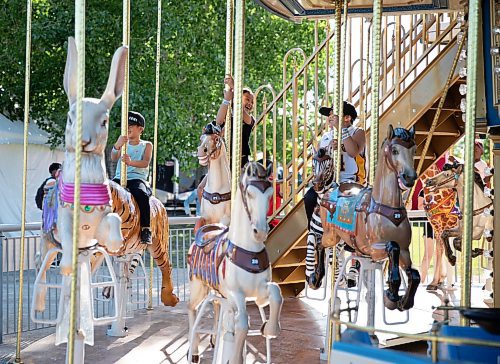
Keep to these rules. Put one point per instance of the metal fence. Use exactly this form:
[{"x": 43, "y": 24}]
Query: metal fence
[{"x": 181, "y": 236}]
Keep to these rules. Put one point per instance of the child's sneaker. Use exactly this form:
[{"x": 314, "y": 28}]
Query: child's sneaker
[{"x": 146, "y": 236}]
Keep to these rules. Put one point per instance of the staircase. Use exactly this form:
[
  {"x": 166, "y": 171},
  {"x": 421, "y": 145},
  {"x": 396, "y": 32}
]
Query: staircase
[{"x": 413, "y": 76}]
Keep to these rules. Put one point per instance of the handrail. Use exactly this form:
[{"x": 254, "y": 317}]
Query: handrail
[{"x": 296, "y": 75}]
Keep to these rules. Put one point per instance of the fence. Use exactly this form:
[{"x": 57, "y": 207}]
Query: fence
[{"x": 181, "y": 236}]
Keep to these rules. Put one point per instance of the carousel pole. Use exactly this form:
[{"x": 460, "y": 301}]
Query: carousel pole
[
  {"x": 472, "y": 61},
  {"x": 155, "y": 140},
  {"x": 229, "y": 65},
  {"x": 27, "y": 74},
  {"x": 124, "y": 129},
  {"x": 376, "y": 34},
  {"x": 80, "y": 93},
  {"x": 338, "y": 103},
  {"x": 239, "y": 50}
]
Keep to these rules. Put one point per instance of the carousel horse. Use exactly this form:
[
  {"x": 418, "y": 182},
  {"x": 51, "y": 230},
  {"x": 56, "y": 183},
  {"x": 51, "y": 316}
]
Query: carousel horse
[
  {"x": 482, "y": 215},
  {"x": 108, "y": 215},
  {"x": 215, "y": 199},
  {"x": 234, "y": 262},
  {"x": 373, "y": 220},
  {"x": 443, "y": 214}
]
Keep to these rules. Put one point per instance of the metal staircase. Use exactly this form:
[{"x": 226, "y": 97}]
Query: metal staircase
[{"x": 413, "y": 76}]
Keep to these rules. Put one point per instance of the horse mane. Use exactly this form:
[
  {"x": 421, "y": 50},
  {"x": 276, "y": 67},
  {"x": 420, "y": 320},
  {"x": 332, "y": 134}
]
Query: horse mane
[{"x": 403, "y": 134}]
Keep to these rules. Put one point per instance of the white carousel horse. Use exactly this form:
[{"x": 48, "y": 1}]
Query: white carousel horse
[
  {"x": 237, "y": 266},
  {"x": 215, "y": 201}
]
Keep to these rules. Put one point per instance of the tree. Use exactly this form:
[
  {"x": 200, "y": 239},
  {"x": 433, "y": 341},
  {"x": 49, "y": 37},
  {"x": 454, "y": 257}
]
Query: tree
[{"x": 192, "y": 63}]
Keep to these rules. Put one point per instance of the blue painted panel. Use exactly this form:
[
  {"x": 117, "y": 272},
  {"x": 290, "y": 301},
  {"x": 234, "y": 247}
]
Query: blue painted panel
[{"x": 473, "y": 353}]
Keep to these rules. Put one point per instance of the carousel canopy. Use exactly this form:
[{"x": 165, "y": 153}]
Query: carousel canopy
[{"x": 296, "y": 10}]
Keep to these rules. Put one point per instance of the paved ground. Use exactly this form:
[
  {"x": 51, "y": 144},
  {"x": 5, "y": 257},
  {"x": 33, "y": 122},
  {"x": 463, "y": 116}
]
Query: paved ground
[{"x": 160, "y": 336}]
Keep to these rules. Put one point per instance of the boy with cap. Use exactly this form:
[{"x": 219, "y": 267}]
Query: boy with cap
[
  {"x": 353, "y": 160},
  {"x": 137, "y": 159}
]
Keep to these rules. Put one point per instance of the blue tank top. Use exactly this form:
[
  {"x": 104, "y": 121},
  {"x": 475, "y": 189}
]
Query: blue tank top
[{"x": 136, "y": 153}]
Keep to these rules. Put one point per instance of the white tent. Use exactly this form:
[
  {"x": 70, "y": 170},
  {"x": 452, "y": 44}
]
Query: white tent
[{"x": 40, "y": 156}]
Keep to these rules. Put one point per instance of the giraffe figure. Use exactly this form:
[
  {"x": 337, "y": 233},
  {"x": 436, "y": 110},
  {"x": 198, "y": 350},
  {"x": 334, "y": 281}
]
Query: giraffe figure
[{"x": 443, "y": 214}]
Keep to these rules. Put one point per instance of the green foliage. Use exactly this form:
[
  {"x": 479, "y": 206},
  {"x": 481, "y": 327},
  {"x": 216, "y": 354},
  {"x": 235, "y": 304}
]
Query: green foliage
[{"x": 192, "y": 63}]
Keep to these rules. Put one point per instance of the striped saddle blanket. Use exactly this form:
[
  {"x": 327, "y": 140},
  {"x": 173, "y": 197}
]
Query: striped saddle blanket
[{"x": 207, "y": 253}]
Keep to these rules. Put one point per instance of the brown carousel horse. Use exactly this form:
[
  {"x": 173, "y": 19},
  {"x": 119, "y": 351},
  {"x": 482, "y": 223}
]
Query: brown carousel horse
[{"x": 373, "y": 220}]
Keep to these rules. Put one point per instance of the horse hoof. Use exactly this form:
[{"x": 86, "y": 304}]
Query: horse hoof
[
  {"x": 390, "y": 304},
  {"x": 169, "y": 299},
  {"x": 313, "y": 281},
  {"x": 432, "y": 287},
  {"x": 453, "y": 260},
  {"x": 212, "y": 341},
  {"x": 194, "y": 358}
]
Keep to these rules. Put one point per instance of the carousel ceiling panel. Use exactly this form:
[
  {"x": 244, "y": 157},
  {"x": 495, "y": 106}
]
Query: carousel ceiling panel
[{"x": 297, "y": 10}]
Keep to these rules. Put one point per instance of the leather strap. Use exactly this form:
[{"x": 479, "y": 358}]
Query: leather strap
[
  {"x": 395, "y": 214},
  {"x": 481, "y": 210},
  {"x": 216, "y": 197},
  {"x": 252, "y": 262}
]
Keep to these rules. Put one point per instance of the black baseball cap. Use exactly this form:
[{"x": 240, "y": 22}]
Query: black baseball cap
[
  {"x": 349, "y": 109},
  {"x": 134, "y": 118}
]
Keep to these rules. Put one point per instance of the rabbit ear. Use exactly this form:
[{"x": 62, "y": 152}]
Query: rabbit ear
[
  {"x": 70, "y": 71},
  {"x": 412, "y": 132},
  {"x": 116, "y": 80}
]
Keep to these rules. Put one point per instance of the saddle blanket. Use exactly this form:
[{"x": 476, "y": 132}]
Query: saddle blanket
[
  {"x": 345, "y": 213},
  {"x": 204, "y": 260}
]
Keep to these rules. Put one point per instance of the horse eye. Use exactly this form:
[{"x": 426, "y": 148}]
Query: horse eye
[
  {"x": 395, "y": 151},
  {"x": 104, "y": 122}
]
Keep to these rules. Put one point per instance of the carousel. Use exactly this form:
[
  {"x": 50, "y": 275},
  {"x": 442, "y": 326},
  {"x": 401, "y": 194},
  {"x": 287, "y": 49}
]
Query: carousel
[{"x": 272, "y": 275}]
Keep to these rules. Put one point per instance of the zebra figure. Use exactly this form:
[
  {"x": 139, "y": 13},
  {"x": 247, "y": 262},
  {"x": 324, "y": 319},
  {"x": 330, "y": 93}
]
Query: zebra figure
[{"x": 315, "y": 258}]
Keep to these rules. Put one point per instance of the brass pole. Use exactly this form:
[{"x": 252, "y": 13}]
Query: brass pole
[
  {"x": 338, "y": 105},
  {"x": 80, "y": 94},
  {"x": 316, "y": 106},
  {"x": 397, "y": 59},
  {"x": 304, "y": 128},
  {"x": 376, "y": 25},
  {"x": 27, "y": 74},
  {"x": 264, "y": 133},
  {"x": 436, "y": 116},
  {"x": 341, "y": 45},
  {"x": 229, "y": 66},
  {"x": 295, "y": 131},
  {"x": 124, "y": 131},
  {"x": 155, "y": 139},
  {"x": 239, "y": 50},
  {"x": 361, "y": 71},
  {"x": 472, "y": 61},
  {"x": 368, "y": 76}
]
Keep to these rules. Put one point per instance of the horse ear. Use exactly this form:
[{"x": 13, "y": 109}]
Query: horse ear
[
  {"x": 460, "y": 168},
  {"x": 269, "y": 170},
  {"x": 116, "y": 80},
  {"x": 412, "y": 132},
  {"x": 390, "y": 132},
  {"x": 70, "y": 71}
]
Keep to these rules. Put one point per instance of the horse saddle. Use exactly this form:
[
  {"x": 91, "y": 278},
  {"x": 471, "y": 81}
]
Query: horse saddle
[
  {"x": 343, "y": 203},
  {"x": 207, "y": 236}
]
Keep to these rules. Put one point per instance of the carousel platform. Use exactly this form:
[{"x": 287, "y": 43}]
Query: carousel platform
[{"x": 161, "y": 335}]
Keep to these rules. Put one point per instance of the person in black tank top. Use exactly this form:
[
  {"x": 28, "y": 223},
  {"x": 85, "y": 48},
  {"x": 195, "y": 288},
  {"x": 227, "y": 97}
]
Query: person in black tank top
[{"x": 248, "y": 121}]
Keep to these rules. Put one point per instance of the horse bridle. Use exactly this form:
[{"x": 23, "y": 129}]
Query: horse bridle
[
  {"x": 324, "y": 158},
  {"x": 218, "y": 145},
  {"x": 387, "y": 151},
  {"x": 262, "y": 184}
]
